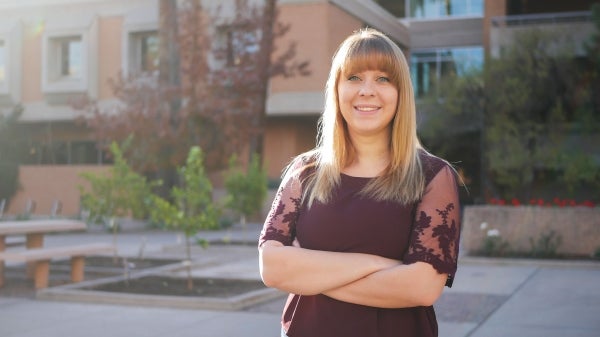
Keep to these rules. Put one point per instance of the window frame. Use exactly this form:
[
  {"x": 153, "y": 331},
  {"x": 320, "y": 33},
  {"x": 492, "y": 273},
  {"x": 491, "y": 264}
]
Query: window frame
[
  {"x": 133, "y": 54},
  {"x": 53, "y": 81},
  {"x": 230, "y": 38},
  {"x": 439, "y": 56},
  {"x": 10, "y": 87},
  {"x": 434, "y": 9},
  {"x": 4, "y": 65},
  {"x": 138, "y": 21},
  {"x": 60, "y": 58}
]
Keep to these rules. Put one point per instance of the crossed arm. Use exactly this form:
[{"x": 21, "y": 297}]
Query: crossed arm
[{"x": 350, "y": 277}]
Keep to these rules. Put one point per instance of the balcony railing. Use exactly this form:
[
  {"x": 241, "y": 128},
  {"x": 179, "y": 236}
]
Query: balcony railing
[{"x": 546, "y": 18}]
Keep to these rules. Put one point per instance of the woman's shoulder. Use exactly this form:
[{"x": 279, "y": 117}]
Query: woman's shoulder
[
  {"x": 302, "y": 164},
  {"x": 432, "y": 164}
]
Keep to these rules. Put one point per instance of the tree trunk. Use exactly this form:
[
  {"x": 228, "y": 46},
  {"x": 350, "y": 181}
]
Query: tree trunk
[
  {"x": 264, "y": 65},
  {"x": 168, "y": 77},
  {"x": 168, "y": 46},
  {"x": 188, "y": 263}
]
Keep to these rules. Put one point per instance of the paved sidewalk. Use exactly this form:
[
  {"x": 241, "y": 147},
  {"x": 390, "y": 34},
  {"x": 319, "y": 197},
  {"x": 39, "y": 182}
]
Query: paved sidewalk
[{"x": 490, "y": 297}]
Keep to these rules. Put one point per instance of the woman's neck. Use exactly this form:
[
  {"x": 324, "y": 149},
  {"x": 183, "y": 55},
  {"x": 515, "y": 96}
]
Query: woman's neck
[{"x": 371, "y": 157}]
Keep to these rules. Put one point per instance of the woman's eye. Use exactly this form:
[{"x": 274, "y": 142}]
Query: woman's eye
[
  {"x": 383, "y": 79},
  {"x": 353, "y": 78}
]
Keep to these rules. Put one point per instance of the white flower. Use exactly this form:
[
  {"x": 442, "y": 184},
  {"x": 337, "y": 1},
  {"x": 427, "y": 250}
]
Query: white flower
[
  {"x": 483, "y": 225},
  {"x": 493, "y": 232}
]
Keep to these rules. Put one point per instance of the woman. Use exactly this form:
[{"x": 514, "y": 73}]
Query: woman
[{"x": 363, "y": 232}]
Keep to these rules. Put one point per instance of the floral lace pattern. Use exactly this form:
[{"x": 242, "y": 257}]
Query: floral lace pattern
[
  {"x": 279, "y": 224},
  {"x": 273, "y": 229},
  {"x": 435, "y": 234}
]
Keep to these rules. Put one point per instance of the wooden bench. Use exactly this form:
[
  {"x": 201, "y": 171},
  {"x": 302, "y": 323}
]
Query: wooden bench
[{"x": 41, "y": 258}]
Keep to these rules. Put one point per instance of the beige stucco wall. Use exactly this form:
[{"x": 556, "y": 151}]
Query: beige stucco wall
[
  {"x": 311, "y": 46},
  {"x": 109, "y": 45},
  {"x": 317, "y": 29},
  {"x": 32, "y": 63},
  {"x": 286, "y": 138},
  {"x": 340, "y": 25},
  {"x": 46, "y": 184}
]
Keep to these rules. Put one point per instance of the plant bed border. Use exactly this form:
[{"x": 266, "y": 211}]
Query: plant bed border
[
  {"x": 90, "y": 266},
  {"x": 80, "y": 292}
]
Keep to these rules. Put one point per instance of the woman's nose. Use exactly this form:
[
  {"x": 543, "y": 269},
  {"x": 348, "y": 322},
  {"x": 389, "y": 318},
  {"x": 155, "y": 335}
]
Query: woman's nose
[{"x": 366, "y": 89}]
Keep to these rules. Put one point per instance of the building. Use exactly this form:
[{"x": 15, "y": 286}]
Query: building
[{"x": 52, "y": 49}]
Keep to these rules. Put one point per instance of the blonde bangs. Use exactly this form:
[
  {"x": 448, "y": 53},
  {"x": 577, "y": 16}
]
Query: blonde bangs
[{"x": 371, "y": 54}]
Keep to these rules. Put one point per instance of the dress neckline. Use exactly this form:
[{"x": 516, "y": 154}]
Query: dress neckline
[{"x": 355, "y": 177}]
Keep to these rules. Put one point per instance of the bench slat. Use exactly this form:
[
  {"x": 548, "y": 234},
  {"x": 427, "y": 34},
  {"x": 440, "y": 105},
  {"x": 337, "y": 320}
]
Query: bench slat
[{"x": 38, "y": 254}]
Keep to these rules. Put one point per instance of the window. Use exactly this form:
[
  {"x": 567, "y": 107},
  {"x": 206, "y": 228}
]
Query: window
[
  {"x": 66, "y": 58},
  {"x": 395, "y": 7},
  {"x": 66, "y": 64},
  {"x": 85, "y": 152},
  {"x": 70, "y": 56},
  {"x": 3, "y": 66},
  {"x": 140, "y": 44},
  {"x": 444, "y": 8},
  {"x": 234, "y": 43},
  {"x": 429, "y": 66},
  {"x": 143, "y": 53},
  {"x": 10, "y": 62},
  {"x": 75, "y": 152}
]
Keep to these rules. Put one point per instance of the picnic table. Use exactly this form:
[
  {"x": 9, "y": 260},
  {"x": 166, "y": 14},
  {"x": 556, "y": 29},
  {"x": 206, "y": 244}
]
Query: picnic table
[{"x": 34, "y": 231}]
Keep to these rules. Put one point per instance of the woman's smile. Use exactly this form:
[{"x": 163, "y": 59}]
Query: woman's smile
[{"x": 367, "y": 109}]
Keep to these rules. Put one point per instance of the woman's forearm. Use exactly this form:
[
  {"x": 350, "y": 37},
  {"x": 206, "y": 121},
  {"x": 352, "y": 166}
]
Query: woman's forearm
[
  {"x": 402, "y": 286},
  {"x": 309, "y": 272}
]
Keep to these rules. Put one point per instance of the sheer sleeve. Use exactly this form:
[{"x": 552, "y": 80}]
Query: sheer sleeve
[
  {"x": 280, "y": 223},
  {"x": 436, "y": 231}
]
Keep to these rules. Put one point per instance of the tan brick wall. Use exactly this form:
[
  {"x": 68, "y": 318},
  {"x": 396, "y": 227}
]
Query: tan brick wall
[{"x": 579, "y": 227}]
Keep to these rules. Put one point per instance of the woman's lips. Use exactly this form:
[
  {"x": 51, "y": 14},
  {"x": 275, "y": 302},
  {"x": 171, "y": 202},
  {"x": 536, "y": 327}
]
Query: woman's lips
[{"x": 366, "y": 108}]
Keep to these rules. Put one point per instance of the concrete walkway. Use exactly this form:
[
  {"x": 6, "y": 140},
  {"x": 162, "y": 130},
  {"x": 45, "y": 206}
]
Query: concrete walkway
[{"x": 490, "y": 297}]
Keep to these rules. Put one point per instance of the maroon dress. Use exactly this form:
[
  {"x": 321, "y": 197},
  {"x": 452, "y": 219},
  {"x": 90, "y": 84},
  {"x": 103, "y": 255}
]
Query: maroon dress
[{"x": 427, "y": 231}]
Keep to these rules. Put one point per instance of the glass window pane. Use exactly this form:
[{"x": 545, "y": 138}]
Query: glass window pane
[
  {"x": 428, "y": 67},
  {"x": 84, "y": 152},
  {"x": 149, "y": 52},
  {"x": 2, "y": 62},
  {"x": 70, "y": 56},
  {"x": 443, "y": 8},
  {"x": 75, "y": 58}
]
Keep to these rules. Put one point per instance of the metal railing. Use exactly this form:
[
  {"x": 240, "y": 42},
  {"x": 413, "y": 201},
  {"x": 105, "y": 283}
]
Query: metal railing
[{"x": 546, "y": 18}]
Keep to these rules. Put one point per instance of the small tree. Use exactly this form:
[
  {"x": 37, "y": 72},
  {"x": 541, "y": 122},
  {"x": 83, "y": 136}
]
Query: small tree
[
  {"x": 246, "y": 192},
  {"x": 10, "y": 149},
  {"x": 192, "y": 208},
  {"x": 121, "y": 193}
]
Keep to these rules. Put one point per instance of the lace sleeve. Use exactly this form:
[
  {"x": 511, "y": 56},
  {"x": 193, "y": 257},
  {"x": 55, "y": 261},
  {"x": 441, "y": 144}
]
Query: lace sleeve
[
  {"x": 281, "y": 221},
  {"x": 435, "y": 236}
]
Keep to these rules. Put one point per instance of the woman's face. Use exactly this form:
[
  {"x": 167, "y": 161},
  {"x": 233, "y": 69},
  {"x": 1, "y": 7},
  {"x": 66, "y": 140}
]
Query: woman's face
[{"x": 368, "y": 102}]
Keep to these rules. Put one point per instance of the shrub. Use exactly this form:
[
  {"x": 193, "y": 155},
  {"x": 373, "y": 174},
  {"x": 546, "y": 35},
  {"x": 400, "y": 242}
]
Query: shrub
[
  {"x": 546, "y": 245},
  {"x": 247, "y": 191}
]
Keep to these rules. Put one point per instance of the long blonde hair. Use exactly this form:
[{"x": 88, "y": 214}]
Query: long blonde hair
[{"x": 403, "y": 180}]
